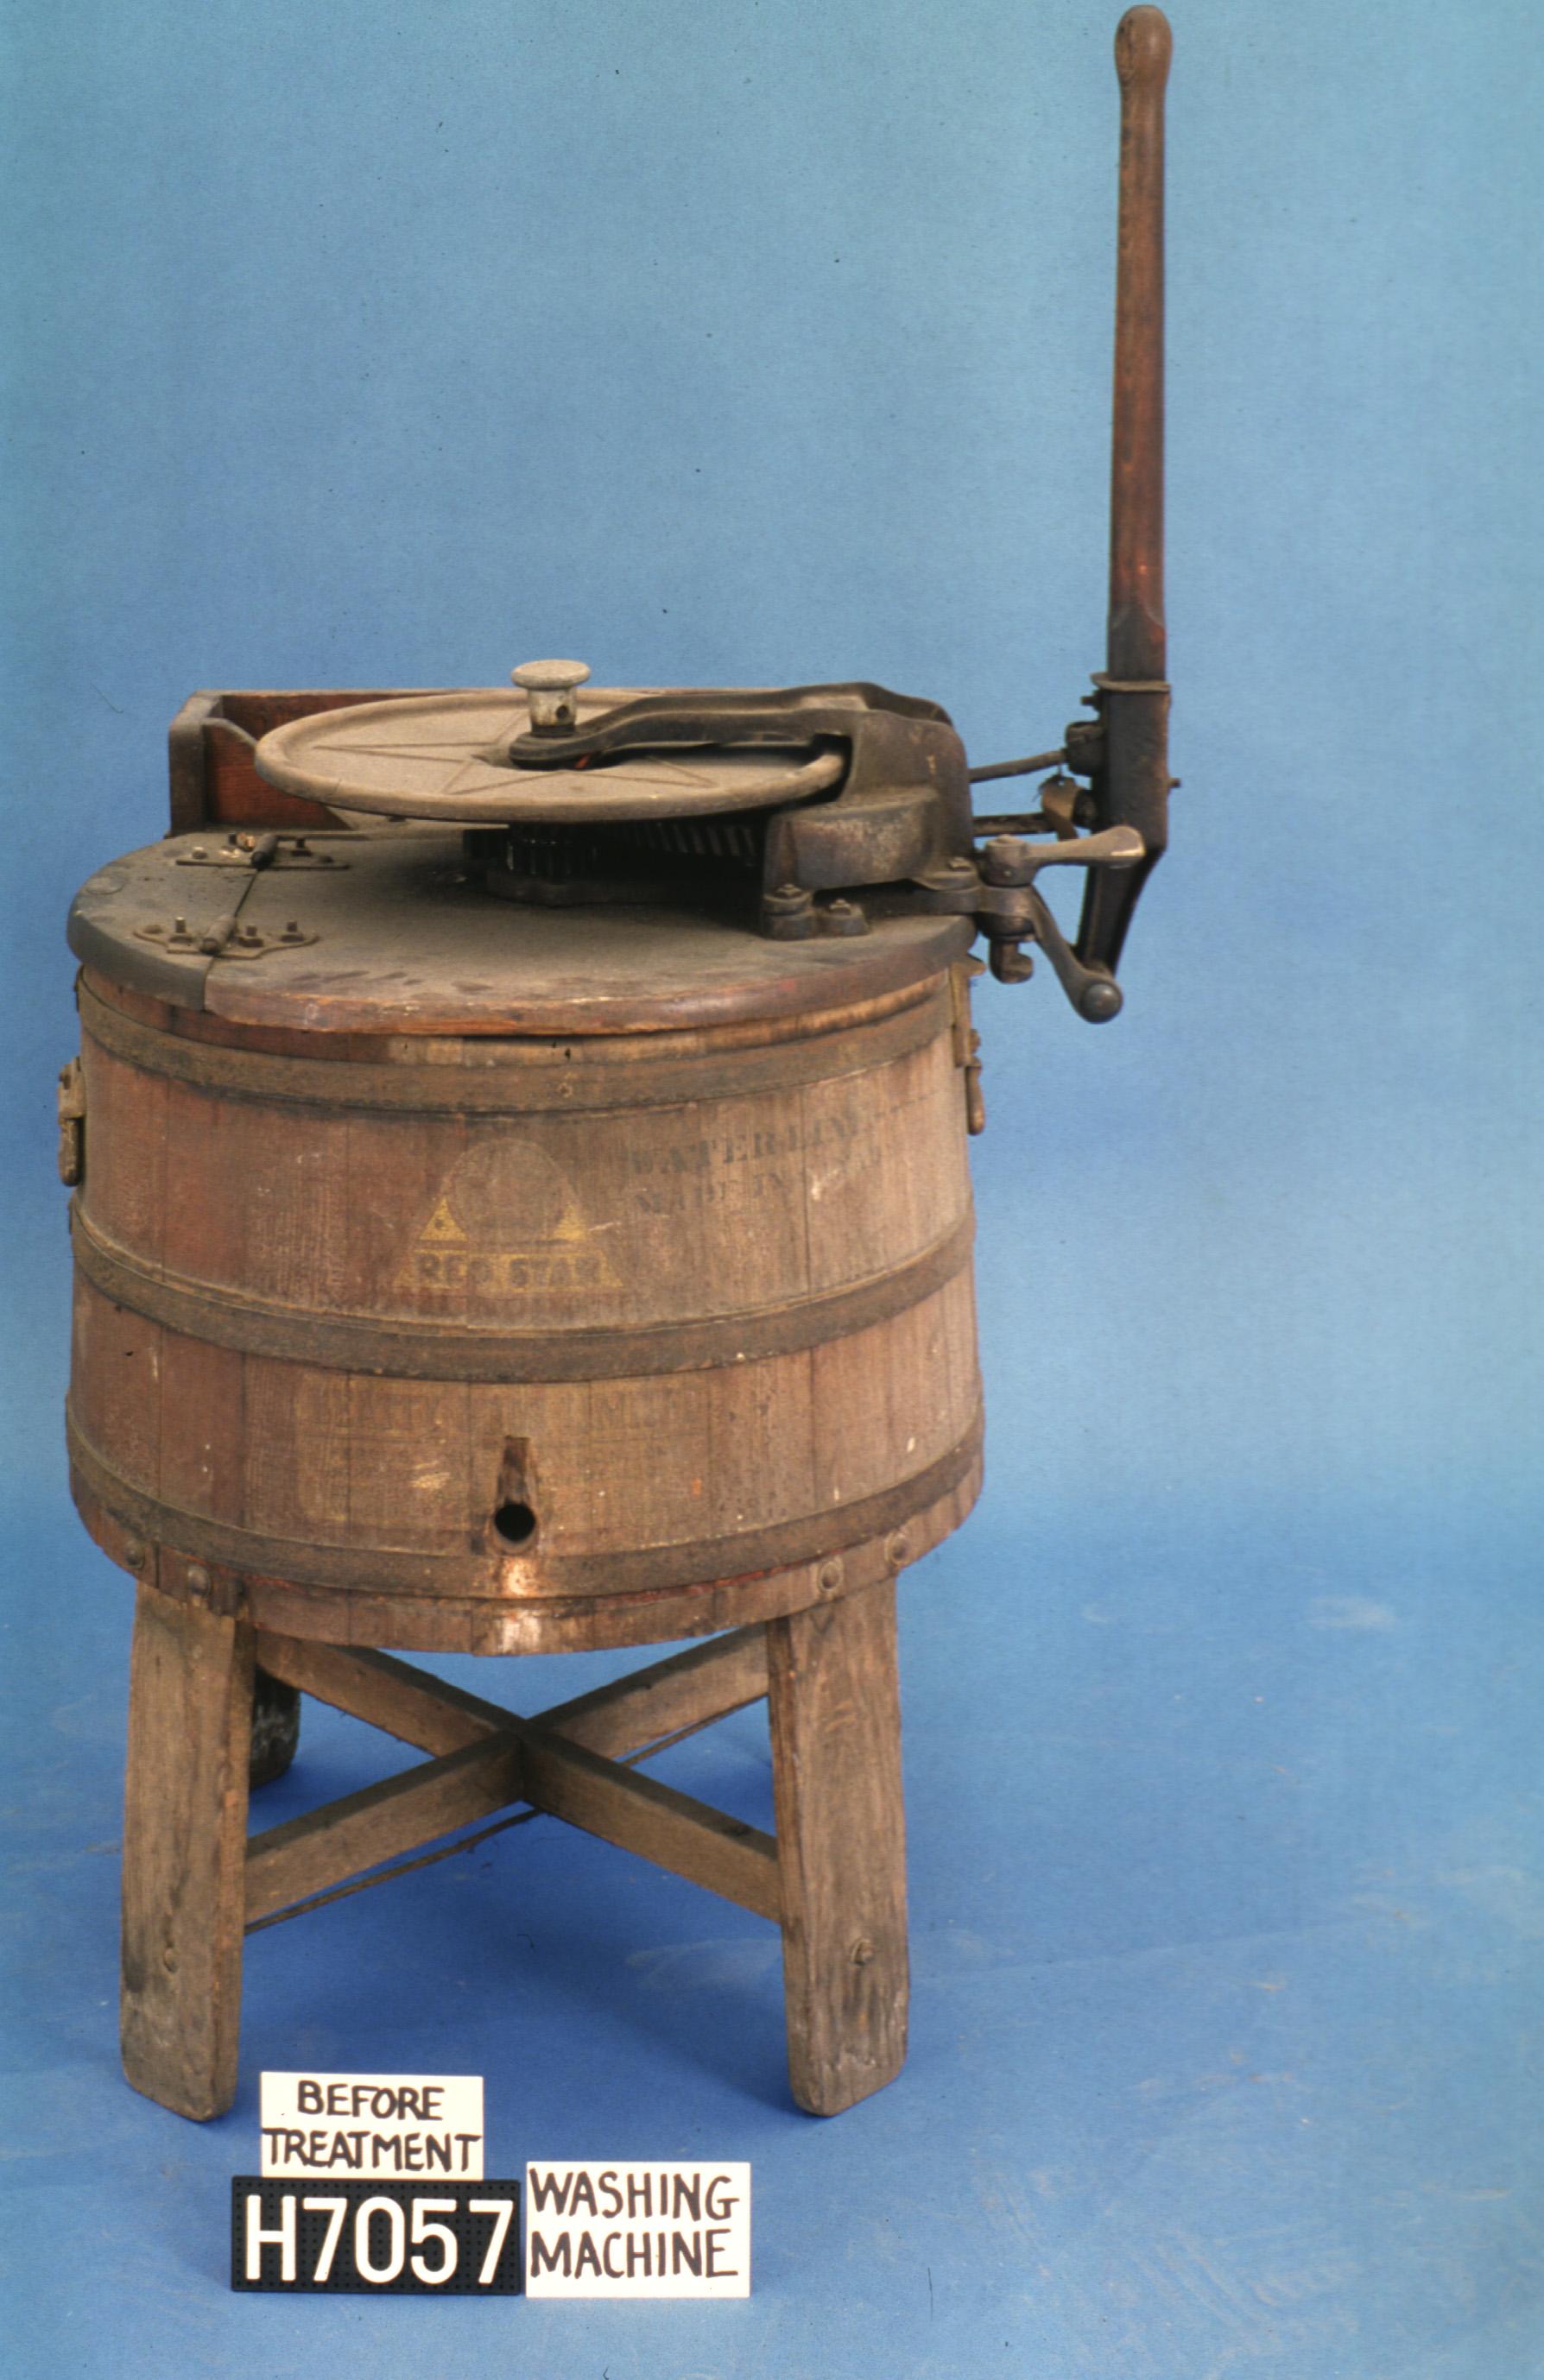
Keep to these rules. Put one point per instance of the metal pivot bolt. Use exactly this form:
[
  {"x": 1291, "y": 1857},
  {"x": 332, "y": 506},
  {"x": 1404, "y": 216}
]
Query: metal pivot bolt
[{"x": 549, "y": 688}]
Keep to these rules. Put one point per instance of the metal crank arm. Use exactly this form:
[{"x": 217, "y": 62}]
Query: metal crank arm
[{"x": 1013, "y": 913}]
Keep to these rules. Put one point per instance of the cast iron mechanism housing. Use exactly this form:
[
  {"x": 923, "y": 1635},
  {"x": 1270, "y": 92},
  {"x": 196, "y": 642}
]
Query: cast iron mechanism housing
[{"x": 899, "y": 828}]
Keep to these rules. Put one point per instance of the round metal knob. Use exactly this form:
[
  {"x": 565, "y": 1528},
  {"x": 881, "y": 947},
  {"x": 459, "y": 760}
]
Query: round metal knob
[{"x": 549, "y": 688}]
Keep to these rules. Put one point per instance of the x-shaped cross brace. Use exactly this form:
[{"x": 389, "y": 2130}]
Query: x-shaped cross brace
[
  {"x": 489, "y": 1757},
  {"x": 833, "y": 1876}
]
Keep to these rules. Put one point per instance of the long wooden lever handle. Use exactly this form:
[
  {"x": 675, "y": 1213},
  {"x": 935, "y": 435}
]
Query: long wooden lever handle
[
  {"x": 1131, "y": 781},
  {"x": 1137, "y": 640}
]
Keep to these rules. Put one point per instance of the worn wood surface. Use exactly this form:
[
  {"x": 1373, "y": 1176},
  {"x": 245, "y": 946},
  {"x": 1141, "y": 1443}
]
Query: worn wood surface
[
  {"x": 639, "y": 1814},
  {"x": 833, "y": 1875},
  {"x": 522, "y": 1763},
  {"x": 391, "y": 1695},
  {"x": 490, "y": 1756},
  {"x": 1137, "y": 640},
  {"x": 394, "y": 940},
  {"x": 214, "y": 780},
  {"x": 189, "y": 1723},
  {"x": 235, "y": 1232},
  {"x": 703, "y": 1683},
  {"x": 834, "y": 1704},
  {"x": 380, "y": 1822},
  {"x": 706, "y": 1682},
  {"x": 122, "y": 1525}
]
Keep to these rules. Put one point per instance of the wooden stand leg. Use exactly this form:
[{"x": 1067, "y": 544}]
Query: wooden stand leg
[
  {"x": 184, "y": 1851},
  {"x": 835, "y": 1705}
]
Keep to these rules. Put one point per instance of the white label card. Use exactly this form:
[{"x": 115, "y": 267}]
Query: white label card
[
  {"x": 596, "y": 2231},
  {"x": 373, "y": 2125}
]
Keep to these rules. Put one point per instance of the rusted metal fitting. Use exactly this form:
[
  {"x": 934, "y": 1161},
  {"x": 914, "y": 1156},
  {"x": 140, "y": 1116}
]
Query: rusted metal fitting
[
  {"x": 72, "y": 1123},
  {"x": 1084, "y": 754},
  {"x": 788, "y": 914}
]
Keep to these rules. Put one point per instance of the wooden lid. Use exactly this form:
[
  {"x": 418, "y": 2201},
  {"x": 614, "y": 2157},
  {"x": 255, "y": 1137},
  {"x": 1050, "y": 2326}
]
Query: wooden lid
[{"x": 379, "y": 931}]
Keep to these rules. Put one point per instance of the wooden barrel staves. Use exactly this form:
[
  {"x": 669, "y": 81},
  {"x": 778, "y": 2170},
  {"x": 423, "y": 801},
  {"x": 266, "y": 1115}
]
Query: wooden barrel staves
[{"x": 500, "y": 1339}]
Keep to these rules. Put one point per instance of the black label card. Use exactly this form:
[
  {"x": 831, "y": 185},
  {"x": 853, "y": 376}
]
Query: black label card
[{"x": 411, "y": 2239}]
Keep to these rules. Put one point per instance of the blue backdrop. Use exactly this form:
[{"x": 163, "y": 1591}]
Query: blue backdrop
[{"x": 770, "y": 343}]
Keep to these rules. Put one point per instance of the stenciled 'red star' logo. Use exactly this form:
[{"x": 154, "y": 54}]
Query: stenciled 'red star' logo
[{"x": 506, "y": 1223}]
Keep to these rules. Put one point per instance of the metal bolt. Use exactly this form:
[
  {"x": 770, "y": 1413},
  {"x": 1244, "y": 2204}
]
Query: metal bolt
[
  {"x": 828, "y": 1578},
  {"x": 863, "y": 1953},
  {"x": 959, "y": 867},
  {"x": 302, "y": 847},
  {"x": 134, "y": 1553},
  {"x": 198, "y": 1581},
  {"x": 839, "y": 909},
  {"x": 199, "y": 852},
  {"x": 179, "y": 925},
  {"x": 897, "y": 1550}
]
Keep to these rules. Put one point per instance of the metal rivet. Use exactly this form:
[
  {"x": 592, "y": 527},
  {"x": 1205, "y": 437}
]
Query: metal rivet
[
  {"x": 828, "y": 1578},
  {"x": 863, "y": 1951},
  {"x": 897, "y": 1550},
  {"x": 134, "y": 1553},
  {"x": 198, "y": 1581}
]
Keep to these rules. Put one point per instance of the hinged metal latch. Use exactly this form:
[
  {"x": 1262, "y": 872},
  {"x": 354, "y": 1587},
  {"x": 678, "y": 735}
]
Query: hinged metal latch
[
  {"x": 967, "y": 1041},
  {"x": 227, "y": 937},
  {"x": 253, "y": 849}
]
